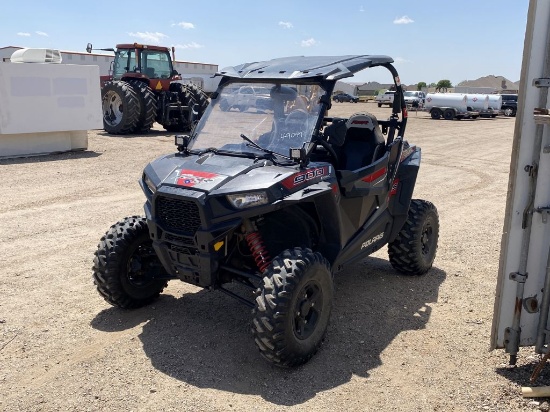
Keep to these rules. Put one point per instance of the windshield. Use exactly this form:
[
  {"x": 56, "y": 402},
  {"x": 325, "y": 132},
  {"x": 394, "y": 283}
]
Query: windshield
[
  {"x": 410, "y": 94},
  {"x": 275, "y": 116},
  {"x": 156, "y": 64},
  {"x": 125, "y": 61}
]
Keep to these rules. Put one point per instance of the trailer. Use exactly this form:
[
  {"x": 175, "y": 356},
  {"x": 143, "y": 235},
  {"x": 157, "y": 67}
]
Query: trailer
[
  {"x": 449, "y": 106},
  {"x": 522, "y": 299},
  {"x": 487, "y": 105}
]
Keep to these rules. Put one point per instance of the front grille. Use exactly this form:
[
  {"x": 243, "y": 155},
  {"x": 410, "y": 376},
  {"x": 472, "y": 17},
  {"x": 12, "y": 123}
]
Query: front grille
[
  {"x": 179, "y": 239},
  {"x": 178, "y": 214}
]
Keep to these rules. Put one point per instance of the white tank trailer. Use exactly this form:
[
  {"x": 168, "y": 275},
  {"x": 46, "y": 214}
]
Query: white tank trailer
[
  {"x": 487, "y": 105},
  {"x": 449, "y": 106},
  {"x": 478, "y": 102},
  {"x": 495, "y": 101}
]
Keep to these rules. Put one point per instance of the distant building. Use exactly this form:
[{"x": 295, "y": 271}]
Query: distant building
[
  {"x": 372, "y": 88},
  {"x": 187, "y": 69},
  {"x": 487, "y": 85}
]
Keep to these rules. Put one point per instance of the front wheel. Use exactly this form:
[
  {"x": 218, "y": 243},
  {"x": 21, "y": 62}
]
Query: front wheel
[
  {"x": 449, "y": 114},
  {"x": 293, "y": 307},
  {"x": 413, "y": 250},
  {"x": 127, "y": 271},
  {"x": 436, "y": 114},
  {"x": 379, "y": 104}
]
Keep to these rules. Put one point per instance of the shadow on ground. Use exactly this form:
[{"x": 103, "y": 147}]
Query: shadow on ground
[
  {"x": 204, "y": 338},
  {"x": 522, "y": 373},
  {"x": 50, "y": 157}
]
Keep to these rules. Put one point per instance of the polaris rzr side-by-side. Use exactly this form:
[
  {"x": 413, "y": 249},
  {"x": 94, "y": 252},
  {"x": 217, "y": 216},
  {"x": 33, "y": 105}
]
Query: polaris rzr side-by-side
[{"x": 275, "y": 195}]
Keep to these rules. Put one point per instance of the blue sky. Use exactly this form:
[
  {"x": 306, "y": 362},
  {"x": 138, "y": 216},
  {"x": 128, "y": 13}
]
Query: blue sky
[{"x": 429, "y": 40}]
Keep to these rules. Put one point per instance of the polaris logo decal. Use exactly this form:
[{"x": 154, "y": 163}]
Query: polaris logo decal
[
  {"x": 369, "y": 242},
  {"x": 292, "y": 135},
  {"x": 190, "y": 178},
  {"x": 303, "y": 177}
]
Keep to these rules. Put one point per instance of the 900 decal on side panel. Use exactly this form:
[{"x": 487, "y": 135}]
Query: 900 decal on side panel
[{"x": 302, "y": 177}]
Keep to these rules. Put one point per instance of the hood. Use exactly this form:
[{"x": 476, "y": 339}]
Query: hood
[{"x": 214, "y": 172}]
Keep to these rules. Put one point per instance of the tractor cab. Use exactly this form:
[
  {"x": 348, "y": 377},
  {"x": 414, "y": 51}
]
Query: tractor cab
[{"x": 153, "y": 62}]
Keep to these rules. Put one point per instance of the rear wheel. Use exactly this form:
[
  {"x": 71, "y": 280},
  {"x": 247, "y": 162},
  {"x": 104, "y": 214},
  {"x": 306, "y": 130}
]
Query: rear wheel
[
  {"x": 508, "y": 112},
  {"x": 121, "y": 107},
  {"x": 293, "y": 307},
  {"x": 436, "y": 114},
  {"x": 413, "y": 250},
  {"x": 127, "y": 271},
  {"x": 148, "y": 106},
  {"x": 379, "y": 104}
]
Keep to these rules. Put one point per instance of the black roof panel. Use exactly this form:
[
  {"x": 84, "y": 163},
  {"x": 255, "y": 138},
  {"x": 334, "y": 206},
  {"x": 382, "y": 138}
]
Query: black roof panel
[{"x": 302, "y": 67}]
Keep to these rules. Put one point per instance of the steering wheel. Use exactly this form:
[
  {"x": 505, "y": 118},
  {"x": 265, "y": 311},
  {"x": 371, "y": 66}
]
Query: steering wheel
[
  {"x": 329, "y": 149},
  {"x": 295, "y": 116}
]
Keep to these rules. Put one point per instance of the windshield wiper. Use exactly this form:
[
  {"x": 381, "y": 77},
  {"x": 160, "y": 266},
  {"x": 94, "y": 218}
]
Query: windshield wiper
[{"x": 257, "y": 146}]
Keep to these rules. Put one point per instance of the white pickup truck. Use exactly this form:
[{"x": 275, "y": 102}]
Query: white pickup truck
[
  {"x": 415, "y": 98},
  {"x": 386, "y": 98},
  {"x": 245, "y": 97}
]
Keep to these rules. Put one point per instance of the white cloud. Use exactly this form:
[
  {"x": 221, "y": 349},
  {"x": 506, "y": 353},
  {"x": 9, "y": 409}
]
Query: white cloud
[
  {"x": 403, "y": 20},
  {"x": 23, "y": 34},
  {"x": 309, "y": 42},
  {"x": 148, "y": 36},
  {"x": 184, "y": 25},
  {"x": 286, "y": 24},
  {"x": 362, "y": 9},
  {"x": 191, "y": 45},
  {"x": 41, "y": 33}
]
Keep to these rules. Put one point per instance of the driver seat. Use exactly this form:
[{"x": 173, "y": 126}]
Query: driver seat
[{"x": 363, "y": 144}]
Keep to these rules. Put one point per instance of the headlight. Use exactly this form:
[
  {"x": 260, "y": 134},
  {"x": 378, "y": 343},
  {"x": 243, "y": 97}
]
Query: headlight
[
  {"x": 244, "y": 200},
  {"x": 149, "y": 183}
]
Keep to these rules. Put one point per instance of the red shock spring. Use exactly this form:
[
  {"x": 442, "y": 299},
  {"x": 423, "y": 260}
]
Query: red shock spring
[{"x": 258, "y": 249}]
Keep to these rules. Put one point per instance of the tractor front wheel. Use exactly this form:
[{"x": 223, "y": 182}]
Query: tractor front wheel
[{"x": 121, "y": 107}]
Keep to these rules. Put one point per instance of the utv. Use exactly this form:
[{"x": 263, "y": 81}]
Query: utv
[{"x": 277, "y": 198}]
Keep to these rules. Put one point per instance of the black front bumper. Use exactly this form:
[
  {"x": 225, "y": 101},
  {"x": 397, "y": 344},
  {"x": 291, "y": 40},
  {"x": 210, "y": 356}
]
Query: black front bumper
[{"x": 188, "y": 245}]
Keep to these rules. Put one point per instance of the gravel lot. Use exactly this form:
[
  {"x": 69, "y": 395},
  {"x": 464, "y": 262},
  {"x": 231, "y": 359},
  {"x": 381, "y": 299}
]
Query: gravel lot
[{"x": 394, "y": 343}]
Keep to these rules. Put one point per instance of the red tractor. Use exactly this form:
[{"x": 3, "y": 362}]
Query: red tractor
[{"x": 143, "y": 87}]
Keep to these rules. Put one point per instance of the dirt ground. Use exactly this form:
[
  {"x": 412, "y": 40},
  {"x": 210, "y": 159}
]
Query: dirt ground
[{"x": 394, "y": 343}]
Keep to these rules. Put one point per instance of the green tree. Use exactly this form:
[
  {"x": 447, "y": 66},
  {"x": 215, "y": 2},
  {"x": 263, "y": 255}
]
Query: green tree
[
  {"x": 444, "y": 84},
  {"x": 421, "y": 85}
]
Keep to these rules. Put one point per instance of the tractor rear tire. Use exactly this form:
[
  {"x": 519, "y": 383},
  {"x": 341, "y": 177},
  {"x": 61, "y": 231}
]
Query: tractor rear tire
[
  {"x": 293, "y": 307},
  {"x": 413, "y": 250},
  {"x": 121, "y": 107},
  {"x": 127, "y": 272},
  {"x": 186, "y": 99},
  {"x": 147, "y": 104}
]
